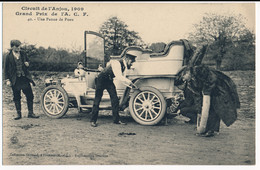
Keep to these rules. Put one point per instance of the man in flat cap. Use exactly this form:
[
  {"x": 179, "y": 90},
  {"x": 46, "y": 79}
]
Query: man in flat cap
[
  {"x": 114, "y": 70},
  {"x": 18, "y": 77}
]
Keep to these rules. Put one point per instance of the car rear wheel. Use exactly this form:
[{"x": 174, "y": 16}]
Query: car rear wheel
[
  {"x": 147, "y": 106},
  {"x": 54, "y": 101}
]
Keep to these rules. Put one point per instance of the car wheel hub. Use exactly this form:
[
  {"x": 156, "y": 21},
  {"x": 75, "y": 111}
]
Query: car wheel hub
[
  {"x": 147, "y": 105},
  {"x": 54, "y": 100}
]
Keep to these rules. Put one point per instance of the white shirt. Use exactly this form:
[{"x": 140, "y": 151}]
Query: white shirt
[
  {"x": 17, "y": 55},
  {"x": 116, "y": 68}
]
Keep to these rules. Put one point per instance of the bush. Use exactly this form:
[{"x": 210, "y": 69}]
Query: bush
[{"x": 62, "y": 67}]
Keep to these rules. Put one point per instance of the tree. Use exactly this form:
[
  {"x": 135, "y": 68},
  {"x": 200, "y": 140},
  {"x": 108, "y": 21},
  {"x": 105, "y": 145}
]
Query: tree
[
  {"x": 30, "y": 50},
  {"x": 118, "y": 37},
  {"x": 221, "y": 32},
  {"x": 242, "y": 54},
  {"x": 62, "y": 55}
]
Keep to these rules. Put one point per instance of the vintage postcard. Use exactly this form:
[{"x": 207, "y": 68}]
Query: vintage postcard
[{"x": 128, "y": 83}]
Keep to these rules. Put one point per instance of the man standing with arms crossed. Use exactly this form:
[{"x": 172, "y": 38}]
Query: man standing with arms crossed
[
  {"x": 115, "y": 70},
  {"x": 18, "y": 77}
]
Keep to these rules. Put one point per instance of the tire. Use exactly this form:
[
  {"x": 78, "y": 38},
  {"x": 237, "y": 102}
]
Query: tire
[
  {"x": 54, "y": 101},
  {"x": 147, "y": 106}
]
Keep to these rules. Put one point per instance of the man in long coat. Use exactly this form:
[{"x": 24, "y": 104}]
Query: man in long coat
[{"x": 219, "y": 98}]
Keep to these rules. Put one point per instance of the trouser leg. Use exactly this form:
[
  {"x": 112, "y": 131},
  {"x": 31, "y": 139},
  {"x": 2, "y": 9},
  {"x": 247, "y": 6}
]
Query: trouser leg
[
  {"x": 189, "y": 112},
  {"x": 213, "y": 123},
  {"x": 114, "y": 102},
  {"x": 30, "y": 110},
  {"x": 17, "y": 102},
  {"x": 29, "y": 97},
  {"x": 30, "y": 107},
  {"x": 217, "y": 125},
  {"x": 18, "y": 110},
  {"x": 95, "y": 108},
  {"x": 18, "y": 106}
]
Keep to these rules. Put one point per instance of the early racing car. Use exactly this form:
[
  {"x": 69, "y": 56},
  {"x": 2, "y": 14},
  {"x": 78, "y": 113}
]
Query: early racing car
[{"x": 153, "y": 74}]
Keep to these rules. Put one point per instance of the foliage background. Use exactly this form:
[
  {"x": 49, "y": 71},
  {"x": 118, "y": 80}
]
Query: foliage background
[{"x": 231, "y": 45}]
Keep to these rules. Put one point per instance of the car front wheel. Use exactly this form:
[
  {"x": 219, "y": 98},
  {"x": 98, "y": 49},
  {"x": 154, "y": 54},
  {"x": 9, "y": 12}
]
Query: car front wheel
[
  {"x": 147, "y": 106},
  {"x": 54, "y": 101}
]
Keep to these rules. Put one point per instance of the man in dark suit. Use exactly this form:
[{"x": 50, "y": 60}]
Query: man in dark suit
[
  {"x": 189, "y": 107},
  {"x": 18, "y": 77},
  {"x": 115, "y": 70}
]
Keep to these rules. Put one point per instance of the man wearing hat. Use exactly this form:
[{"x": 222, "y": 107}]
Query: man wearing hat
[
  {"x": 18, "y": 77},
  {"x": 115, "y": 70}
]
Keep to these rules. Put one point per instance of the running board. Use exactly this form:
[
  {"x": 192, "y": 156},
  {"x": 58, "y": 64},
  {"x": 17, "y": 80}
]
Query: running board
[{"x": 100, "y": 107}]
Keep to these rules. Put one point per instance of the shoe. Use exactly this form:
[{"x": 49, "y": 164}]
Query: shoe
[
  {"x": 120, "y": 123},
  {"x": 93, "y": 124},
  {"x": 18, "y": 117},
  {"x": 189, "y": 122},
  {"x": 32, "y": 115},
  {"x": 207, "y": 134}
]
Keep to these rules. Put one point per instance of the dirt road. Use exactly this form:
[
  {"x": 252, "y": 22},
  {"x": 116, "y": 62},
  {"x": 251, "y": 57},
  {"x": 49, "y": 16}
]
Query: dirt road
[{"x": 72, "y": 141}]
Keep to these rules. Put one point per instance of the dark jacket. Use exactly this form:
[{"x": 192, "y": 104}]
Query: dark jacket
[
  {"x": 191, "y": 98},
  {"x": 10, "y": 67},
  {"x": 221, "y": 88}
]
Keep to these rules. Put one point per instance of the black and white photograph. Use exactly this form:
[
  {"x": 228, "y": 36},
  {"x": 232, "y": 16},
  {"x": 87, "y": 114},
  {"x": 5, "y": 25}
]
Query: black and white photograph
[{"x": 125, "y": 84}]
